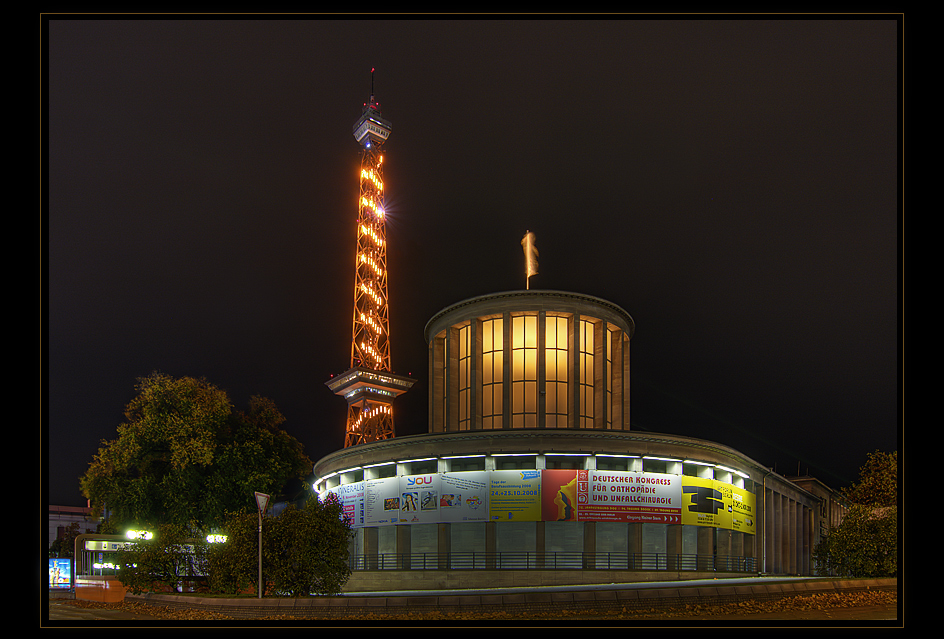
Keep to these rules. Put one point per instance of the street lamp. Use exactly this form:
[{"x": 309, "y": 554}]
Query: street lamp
[{"x": 261, "y": 500}]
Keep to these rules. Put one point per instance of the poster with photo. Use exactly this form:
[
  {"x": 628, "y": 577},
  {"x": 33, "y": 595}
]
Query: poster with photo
[
  {"x": 60, "y": 573},
  {"x": 381, "y": 501},
  {"x": 463, "y": 496},
  {"x": 419, "y": 498}
]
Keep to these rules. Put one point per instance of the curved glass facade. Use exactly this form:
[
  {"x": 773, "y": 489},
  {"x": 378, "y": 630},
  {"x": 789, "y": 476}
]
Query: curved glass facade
[{"x": 530, "y": 360}]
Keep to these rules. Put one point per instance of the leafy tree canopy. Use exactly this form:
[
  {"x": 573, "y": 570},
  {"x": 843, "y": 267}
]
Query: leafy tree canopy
[
  {"x": 185, "y": 454},
  {"x": 865, "y": 544},
  {"x": 878, "y": 481},
  {"x": 305, "y": 551}
]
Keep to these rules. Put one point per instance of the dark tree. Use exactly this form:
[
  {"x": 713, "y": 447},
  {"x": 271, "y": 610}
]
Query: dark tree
[
  {"x": 865, "y": 543},
  {"x": 185, "y": 455}
]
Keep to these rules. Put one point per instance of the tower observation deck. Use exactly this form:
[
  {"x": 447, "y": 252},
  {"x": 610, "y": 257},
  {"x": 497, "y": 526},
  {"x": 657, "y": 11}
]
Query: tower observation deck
[{"x": 369, "y": 386}]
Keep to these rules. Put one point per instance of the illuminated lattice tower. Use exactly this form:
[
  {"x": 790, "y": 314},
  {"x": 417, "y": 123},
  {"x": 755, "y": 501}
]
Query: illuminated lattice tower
[{"x": 369, "y": 386}]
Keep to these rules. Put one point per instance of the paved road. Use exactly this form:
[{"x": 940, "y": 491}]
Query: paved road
[
  {"x": 857, "y": 615},
  {"x": 62, "y": 612}
]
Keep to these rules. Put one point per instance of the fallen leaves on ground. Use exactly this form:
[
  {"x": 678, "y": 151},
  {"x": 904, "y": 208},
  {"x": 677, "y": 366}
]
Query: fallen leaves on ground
[{"x": 821, "y": 601}]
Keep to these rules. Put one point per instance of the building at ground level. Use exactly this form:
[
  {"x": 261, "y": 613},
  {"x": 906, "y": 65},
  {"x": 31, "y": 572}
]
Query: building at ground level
[
  {"x": 62, "y": 517},
  {"x": 530, "y": 465}
]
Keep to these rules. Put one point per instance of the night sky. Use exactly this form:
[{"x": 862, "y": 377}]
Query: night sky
[{"x": 732, "y": 184}]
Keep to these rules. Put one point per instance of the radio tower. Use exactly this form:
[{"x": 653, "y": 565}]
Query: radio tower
[{"x": 369, "y": 386}]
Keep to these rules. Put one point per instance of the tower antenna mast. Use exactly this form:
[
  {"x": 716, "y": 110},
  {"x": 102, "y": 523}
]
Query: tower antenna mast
[{"x": 370, "y": 386}]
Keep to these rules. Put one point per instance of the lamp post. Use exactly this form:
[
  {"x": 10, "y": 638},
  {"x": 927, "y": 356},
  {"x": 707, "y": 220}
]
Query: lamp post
[{"x": 261, "y": 500}]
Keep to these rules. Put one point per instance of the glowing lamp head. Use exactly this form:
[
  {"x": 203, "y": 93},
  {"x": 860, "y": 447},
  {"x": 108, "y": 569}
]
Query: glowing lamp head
[{"x": 139, "y": 534}]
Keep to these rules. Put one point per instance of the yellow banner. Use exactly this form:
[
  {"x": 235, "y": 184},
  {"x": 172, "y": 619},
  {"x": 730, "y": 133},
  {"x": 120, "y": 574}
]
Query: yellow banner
[
  {"x": 514, "y": 495},
  {"x": 743, "y": 515},
  {"x": 708, "y": 502}
]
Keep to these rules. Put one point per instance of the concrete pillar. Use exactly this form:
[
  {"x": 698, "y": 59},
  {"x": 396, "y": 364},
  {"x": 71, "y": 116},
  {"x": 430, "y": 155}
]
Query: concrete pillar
[
  {"x": 749, "y": 548},
  {"x": 634, "y": 545},
  {"x": 451, "y": 417},
  {"x": 371, "y": 550},
  {"x": 625, "y": 381},
  {"x": 789, "y": 537},
  {"x": 773, "y": 534},
  {"x": 705, "y": 545},
  {"x": 673, "y": 546},
  {"x": 723, "y": 549},
  {"x": 506, "y": 370},
  {"x": 444, "y": 545},
  {"x": 475, "y": 373},
  {"x": 542, "y": 372},
  {"x": 616, "y": 358},
  {"x": 589, "y": 545},
  {"x": 783, "y": 537},
  {"x": 737, "y": 550},
  {"x": 403, "y": 546},
  {"x": 490, "y": 545},
  {"x": 599, "y": 368},
  {"x": 437, "y": 379},
  {"x": 573, "y": 374}
]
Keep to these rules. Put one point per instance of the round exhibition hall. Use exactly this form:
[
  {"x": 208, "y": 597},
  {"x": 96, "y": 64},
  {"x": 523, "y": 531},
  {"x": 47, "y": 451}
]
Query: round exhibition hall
[{"x": 530, "y": 474}]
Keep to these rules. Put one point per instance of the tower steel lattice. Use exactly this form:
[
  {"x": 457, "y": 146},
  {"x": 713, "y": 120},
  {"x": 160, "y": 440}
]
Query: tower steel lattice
[{"x": 369, "y": 386}]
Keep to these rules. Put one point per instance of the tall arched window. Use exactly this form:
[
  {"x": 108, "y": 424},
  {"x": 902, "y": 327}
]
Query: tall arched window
[
  {"x": 608, "y": 377},
  {"x": 492, "y": 368},
  {"x": 585, "y": 355},
  {"x": 524, "y": 371},
  {"x": 555, "y": 372},
  {"x": 465, "y": 376}
]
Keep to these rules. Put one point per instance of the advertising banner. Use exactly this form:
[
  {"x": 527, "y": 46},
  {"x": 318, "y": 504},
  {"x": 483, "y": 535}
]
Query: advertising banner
[
  {"x": 463, "y": 496},
  {"x": 548, "y": 495},
  {"x": 743, "y": 513},
  {"x": 629, "y": 496},
  {"x": 704, "y": 503},
  {"x": 419, "y": 498},
  {"x": 60, "y": 573},
  {"x": 559, "y": 495},
  {"x": 708, "y": 502},
  {"x": 381, "y": 501},
  {"x": 514, "y": 495},
  {"x": 351, "y": 497},
  {"x": 590, "y": 495}
]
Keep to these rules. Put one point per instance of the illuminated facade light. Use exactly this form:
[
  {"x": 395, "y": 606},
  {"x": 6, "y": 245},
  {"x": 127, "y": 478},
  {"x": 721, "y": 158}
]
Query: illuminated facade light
[
  {"x": 369, "y": 261},
  {"x": 369, "y": 232},
  {"x": 372, "y": 175},
  {"x": 367, "y": 319}
]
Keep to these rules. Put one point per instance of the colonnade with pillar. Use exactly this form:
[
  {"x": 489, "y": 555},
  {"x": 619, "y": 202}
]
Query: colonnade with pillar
[
  {"x": 545, "y": 544},
  {"x": 789, "y": 532}
]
